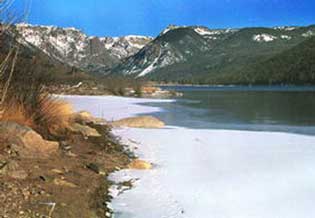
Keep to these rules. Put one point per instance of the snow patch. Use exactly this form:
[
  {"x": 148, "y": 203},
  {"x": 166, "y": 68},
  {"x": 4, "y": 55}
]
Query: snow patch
[
  {"x": 135, "y": 37},
  {"x": 264, "y": 37},
  {"x": 151, "y": 67},
  {"x": 203, "y": 31},
  {"x": 285, "y": 28},
  {"x": 290, "y": 28},
  {"x": 285, "y": 37},
  {"x": 125, "y": 46},
  {"x": 308, "y": 34},
  {"x": 171, "y": 27},
  {"x": 212, "y": 34}
]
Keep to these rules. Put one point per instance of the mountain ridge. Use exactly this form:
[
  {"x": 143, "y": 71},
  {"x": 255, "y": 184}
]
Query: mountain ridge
[
  {"x": 185, "y": 54},
  {"x": 228, "y": 52},
  {"x": 70, "y": 45}
]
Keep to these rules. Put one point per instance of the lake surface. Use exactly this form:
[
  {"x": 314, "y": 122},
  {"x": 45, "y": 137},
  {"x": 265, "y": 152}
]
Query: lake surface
[
  {"x": 202, "y": 173},
  {"x": 262, "y": 108}
]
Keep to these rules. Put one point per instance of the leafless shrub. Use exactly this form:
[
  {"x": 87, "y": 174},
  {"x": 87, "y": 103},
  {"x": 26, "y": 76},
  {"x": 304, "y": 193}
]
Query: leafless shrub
[
  {"x": 7, "y": 18},
  {"x": 23, "y": 98},
  {"x": 118, "y": 85}
]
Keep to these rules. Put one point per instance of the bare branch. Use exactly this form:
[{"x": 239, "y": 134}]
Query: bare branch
[
  {"x": 7, "y": 20},
  {"x": 4, "y": 64},
  {"x": 7, "y": 84}
]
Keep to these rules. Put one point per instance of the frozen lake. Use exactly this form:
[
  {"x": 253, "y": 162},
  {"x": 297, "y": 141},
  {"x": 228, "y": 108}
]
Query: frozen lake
[{"x": 203, "y": 173}]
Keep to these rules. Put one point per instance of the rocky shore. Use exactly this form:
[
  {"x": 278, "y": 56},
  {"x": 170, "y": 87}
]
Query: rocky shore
[
  {"x": 60, "y": 178},
  {"x": 63, "y": 177}
]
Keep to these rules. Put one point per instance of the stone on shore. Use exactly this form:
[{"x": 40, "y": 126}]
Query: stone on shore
[
  {"x": 84, "y": 130},
  {"x": 84, "y": 117},
  {"x": 139, "y": 122},
  {"x": 25, "y": 141},
  {"x": 140, "y": 165},
  {"x": 61, "y": 182}
]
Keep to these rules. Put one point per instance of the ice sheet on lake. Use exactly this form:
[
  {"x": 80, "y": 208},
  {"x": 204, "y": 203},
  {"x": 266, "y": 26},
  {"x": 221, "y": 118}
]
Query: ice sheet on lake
[
  {"x": 213, "y": 173},
  {"x": 112, "y": 107}
]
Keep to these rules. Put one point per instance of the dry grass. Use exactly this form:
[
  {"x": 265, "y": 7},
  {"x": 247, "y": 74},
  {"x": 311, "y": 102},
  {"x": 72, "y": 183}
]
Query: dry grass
[
  {"x": 26, "y": 102},
  {"x": 22, "y": 99},
  {"x": 17, "y": 113},
  {"x": 52, "y": 116}
]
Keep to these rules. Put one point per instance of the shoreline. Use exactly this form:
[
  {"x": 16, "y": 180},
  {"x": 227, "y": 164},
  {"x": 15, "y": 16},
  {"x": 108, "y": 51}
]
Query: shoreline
[
  {"x": 230, "y": 156},
  {"x": 63, "y": 180}
]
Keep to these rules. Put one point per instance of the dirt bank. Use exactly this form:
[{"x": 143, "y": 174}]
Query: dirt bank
[{"x": 68, "y": 184}]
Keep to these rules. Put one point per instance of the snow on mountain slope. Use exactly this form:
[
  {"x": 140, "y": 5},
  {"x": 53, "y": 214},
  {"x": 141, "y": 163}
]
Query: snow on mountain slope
[
  {"x": 176, "y": 45},
  {"x": 213, "y": 34},
  {"x": 286, "y": 37},
  {"x": 207, "y": 33},
  {"x": 264, "y": 37},
  {"x": 286, "y": 28},
  {"x": 125, "y": 46},
  {"x": 176, "y": 49},
  {"x": 181, "y": 52},
  {"x": 77, "y": 49},
  {"x": 171, "y": 27},
  {"x": 308, "y": 34},
  {"x": 67, "y": 43}
]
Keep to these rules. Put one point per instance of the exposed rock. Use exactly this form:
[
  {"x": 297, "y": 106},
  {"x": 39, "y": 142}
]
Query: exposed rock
[
  {"x": 84, "y": 130},
  {"x": 61, "y": 182},
  {"x": 26, "y": 141},
  {"x": 140, "y": 165},
  {"x": 57, "y": 171},
  {"x": 139, "y": 122},
  {"x": 85, "y": 117}
]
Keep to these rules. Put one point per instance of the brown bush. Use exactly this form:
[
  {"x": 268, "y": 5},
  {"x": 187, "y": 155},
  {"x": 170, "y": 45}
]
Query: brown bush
[
  {"x": 50, "y": 117},
  {"x": 23, "y": 74},
  {"x": 26, "y": 101},
  {"x": 54, "y": 115},
  {"x": 17, "y": 113}
]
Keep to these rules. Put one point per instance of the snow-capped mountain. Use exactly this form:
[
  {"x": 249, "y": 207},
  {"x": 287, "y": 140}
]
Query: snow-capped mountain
[
  {"x": 177, "y": 53},
  {"x": 75, "y": 48},
  {"x": 205, "y": 32},
  {"x": 174, "y": 45},
  {"x": 34, "y": 62},
  {"x": 181, "y": 52}
]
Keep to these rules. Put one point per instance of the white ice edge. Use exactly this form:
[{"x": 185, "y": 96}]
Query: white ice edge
[
  {"x": 210, "y": 173},
  {"x": 113, "y": 107}
]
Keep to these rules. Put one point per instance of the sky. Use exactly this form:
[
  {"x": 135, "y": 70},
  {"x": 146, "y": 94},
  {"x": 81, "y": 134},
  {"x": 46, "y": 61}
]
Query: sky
[{"x": 150, "y": 17}]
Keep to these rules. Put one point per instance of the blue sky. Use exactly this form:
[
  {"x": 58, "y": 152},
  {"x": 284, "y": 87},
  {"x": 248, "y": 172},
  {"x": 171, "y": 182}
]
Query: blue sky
[{"x": 149, "y": 17}]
